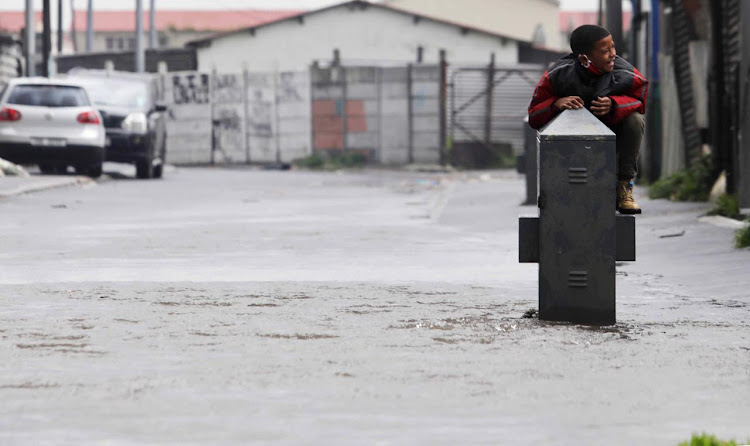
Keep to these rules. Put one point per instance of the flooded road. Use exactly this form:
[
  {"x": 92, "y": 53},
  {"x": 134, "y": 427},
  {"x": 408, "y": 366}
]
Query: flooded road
[{"x": 374, "y": 307}]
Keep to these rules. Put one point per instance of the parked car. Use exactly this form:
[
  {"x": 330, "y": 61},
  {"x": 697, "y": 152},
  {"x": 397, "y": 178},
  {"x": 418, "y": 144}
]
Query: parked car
[
  {"x": 50, "y": 123},
  {"x": 133, "y": 117}
]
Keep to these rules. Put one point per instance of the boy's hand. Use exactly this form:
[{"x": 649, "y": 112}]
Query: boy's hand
[
  {"x": 601, "y": 106},
  {"x": 569, "y": 103}
]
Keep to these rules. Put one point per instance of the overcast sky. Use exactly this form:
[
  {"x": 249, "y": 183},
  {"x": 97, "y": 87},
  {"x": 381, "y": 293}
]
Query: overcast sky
[{"x": 228, "y": 4}]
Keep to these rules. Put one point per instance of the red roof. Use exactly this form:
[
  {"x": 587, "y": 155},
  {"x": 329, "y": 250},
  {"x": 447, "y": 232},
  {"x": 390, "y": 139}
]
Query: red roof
[
  {"x": 224, "y": 20},
  {"x": 570, "y": 20},
  {"x": 15, "y": 21}
]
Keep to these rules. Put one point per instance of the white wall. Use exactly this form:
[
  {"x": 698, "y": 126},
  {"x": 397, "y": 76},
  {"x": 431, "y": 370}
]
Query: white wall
[
  {"x": 513, "y": 18},
  {"x": 373, "y": 34},
  {"x": 10, "y": 54},
  {"x": 189, "y": 118},
  {"x": 237, "y": 118}
]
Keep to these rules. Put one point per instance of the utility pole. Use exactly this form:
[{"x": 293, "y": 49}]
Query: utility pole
[
  {"x": 139, "y": 36},
  {"x": 90, "y": 27},
  {"x": 614, "y": 21},
  {"x": 30, "y": 38},
  {"x": 152, "y": 25},
  {"x": 59, "y": 26},
  {"x": 46, "y": 39},
  {"x": 635, "y": 56}
]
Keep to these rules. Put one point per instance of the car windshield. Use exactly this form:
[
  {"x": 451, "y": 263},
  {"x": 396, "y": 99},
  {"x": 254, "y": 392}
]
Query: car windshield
[
  {"x": 48, "y": 96},
  {"x": 118, "y": 93}
]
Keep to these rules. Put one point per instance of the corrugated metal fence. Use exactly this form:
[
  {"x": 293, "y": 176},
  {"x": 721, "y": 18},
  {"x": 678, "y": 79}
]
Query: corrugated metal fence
[{"x": 488, "y": 105}]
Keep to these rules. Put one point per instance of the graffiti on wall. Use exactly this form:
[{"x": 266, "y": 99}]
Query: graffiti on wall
[
  {"x": 227, "y": 88},
  {"x": 229, "y": 141},
  {"x": 288, "y": 88},
  {"x": 260, "y": 113},
  {"x": 190, "y": 88},
  {"x": 228, "y": 114}
]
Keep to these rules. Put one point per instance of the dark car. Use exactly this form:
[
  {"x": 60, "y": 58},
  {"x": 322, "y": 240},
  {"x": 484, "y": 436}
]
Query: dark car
[{"x": 133, "y": 117}]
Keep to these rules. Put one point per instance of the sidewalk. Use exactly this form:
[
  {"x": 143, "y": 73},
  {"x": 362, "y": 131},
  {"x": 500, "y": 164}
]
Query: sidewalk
[{"x": 11, "y": 186}]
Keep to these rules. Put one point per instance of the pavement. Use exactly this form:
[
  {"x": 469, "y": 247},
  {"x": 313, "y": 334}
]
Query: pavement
[
  {"x": 364, "y": 307},
  {"x": 12, "y": 186}
]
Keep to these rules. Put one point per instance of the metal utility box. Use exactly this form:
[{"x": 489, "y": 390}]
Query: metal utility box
[
  {"x": 530, "y": 167},
  {"x": 577, "y": 236}
]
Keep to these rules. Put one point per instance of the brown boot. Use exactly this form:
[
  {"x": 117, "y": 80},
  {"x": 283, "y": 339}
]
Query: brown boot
[{"x": 625, "y": 202}]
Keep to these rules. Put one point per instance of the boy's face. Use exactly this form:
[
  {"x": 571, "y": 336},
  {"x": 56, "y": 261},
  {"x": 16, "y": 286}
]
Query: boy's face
[{"x": 602, "y": 54}]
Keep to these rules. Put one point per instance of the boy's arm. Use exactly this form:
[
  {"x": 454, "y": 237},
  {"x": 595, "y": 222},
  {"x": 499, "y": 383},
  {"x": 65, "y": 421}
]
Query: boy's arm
[
  {"x": 633, "y": 101},
  {"x": 542, "y": 108}
]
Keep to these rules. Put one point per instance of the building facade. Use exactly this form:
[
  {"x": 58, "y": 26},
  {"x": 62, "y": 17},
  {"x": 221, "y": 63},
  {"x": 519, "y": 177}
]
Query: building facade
[
  {"x": 359, "y": 32},
  {"x": 534, "y": 21},
  {"x": 114, "y": 30}
]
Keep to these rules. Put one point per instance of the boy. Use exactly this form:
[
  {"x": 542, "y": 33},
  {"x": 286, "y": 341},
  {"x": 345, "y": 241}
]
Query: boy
[{"x": 594, "y": 77}]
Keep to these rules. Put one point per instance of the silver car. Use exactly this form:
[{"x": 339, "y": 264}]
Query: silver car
[{"x": 51, "y": 123}]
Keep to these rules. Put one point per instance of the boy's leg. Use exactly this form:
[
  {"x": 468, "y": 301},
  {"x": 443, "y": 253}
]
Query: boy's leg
[{"x": 629, "y": 136}]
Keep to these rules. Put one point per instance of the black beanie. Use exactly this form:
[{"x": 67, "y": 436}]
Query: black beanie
[{"x": 584, "y": 37}]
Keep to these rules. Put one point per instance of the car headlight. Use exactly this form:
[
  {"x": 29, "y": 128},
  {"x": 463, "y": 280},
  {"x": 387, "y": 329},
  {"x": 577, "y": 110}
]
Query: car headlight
[{"x": 136, "y": 123}]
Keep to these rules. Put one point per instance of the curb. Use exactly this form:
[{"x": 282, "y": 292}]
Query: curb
[
  {"x": 723, "y": 222},
  {"x": 36, "y": 184}
]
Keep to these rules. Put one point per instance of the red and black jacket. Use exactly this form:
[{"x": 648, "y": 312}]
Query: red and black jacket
[{"x": 625, "y": 86}]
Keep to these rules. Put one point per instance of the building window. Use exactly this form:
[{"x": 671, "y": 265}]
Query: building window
[
  {"x": 110, "y": 43},
  {"x": 163, "y": 41},
  {"x": 120, "y": 43},
  {"x": 131, "y": 43}
]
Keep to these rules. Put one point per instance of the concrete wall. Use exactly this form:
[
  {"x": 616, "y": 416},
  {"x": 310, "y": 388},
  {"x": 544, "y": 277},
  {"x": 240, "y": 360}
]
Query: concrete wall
[
  {"x": 189, "y": 120},
  {"x": 394, "y": 106},
  {"x": 365, "y": 34},
  {"x": 278, "y": 116},
  {"x": 228, "y": 114},
  {"x": 10, "y": 55},
  {"x": 237, "y": 118},
  {"x": 362, "y": 109},
  {"x": 389, "y": 114}
]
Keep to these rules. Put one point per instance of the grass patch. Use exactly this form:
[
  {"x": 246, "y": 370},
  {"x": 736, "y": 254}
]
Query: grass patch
[
  {"x": 708, "y": 440},
  {"x": 314, "y": 161},
  {"x": 333, "y": 161},
  {"x": 502, "y": 159},
  {"x": 742, "y": 237},
  {"x": 691, "y": 184},
  {"x": 727, "y": 206}
]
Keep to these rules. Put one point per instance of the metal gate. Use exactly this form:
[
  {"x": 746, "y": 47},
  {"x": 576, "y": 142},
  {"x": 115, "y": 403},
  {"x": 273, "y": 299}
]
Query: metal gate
[{"x": 487, "y": 108}]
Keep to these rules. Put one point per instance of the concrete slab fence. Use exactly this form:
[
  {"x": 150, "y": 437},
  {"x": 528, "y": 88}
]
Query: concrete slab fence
[{"x": 391, "y": 114}]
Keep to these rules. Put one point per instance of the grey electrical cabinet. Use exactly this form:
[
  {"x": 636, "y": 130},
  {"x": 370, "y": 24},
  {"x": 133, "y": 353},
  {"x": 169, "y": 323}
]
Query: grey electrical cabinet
[{"x": 577, "y": 236}]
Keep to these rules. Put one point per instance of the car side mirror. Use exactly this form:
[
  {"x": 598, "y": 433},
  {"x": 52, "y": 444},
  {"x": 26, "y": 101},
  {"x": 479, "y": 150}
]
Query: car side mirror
[{"x": 160, "y": 107}]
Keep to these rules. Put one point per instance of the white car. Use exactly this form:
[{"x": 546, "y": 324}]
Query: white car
[{"x": 50, "y": 123}]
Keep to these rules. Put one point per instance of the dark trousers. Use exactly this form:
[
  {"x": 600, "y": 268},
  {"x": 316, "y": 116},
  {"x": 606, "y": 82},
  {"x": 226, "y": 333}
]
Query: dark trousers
[{"x": 629, "y": 133}]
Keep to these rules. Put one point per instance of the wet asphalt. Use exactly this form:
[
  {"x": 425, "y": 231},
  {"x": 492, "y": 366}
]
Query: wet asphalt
[{"x": 236, "y": 306}]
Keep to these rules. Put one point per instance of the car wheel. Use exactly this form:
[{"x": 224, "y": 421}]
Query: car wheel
[
  {"x": 158, "y": 170},
  {"x": 94, "y": 171},
  {"x": 144, "y": 169},
  {"x": 52, "y": 169},
  {"x": 46, "y": 168}
]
